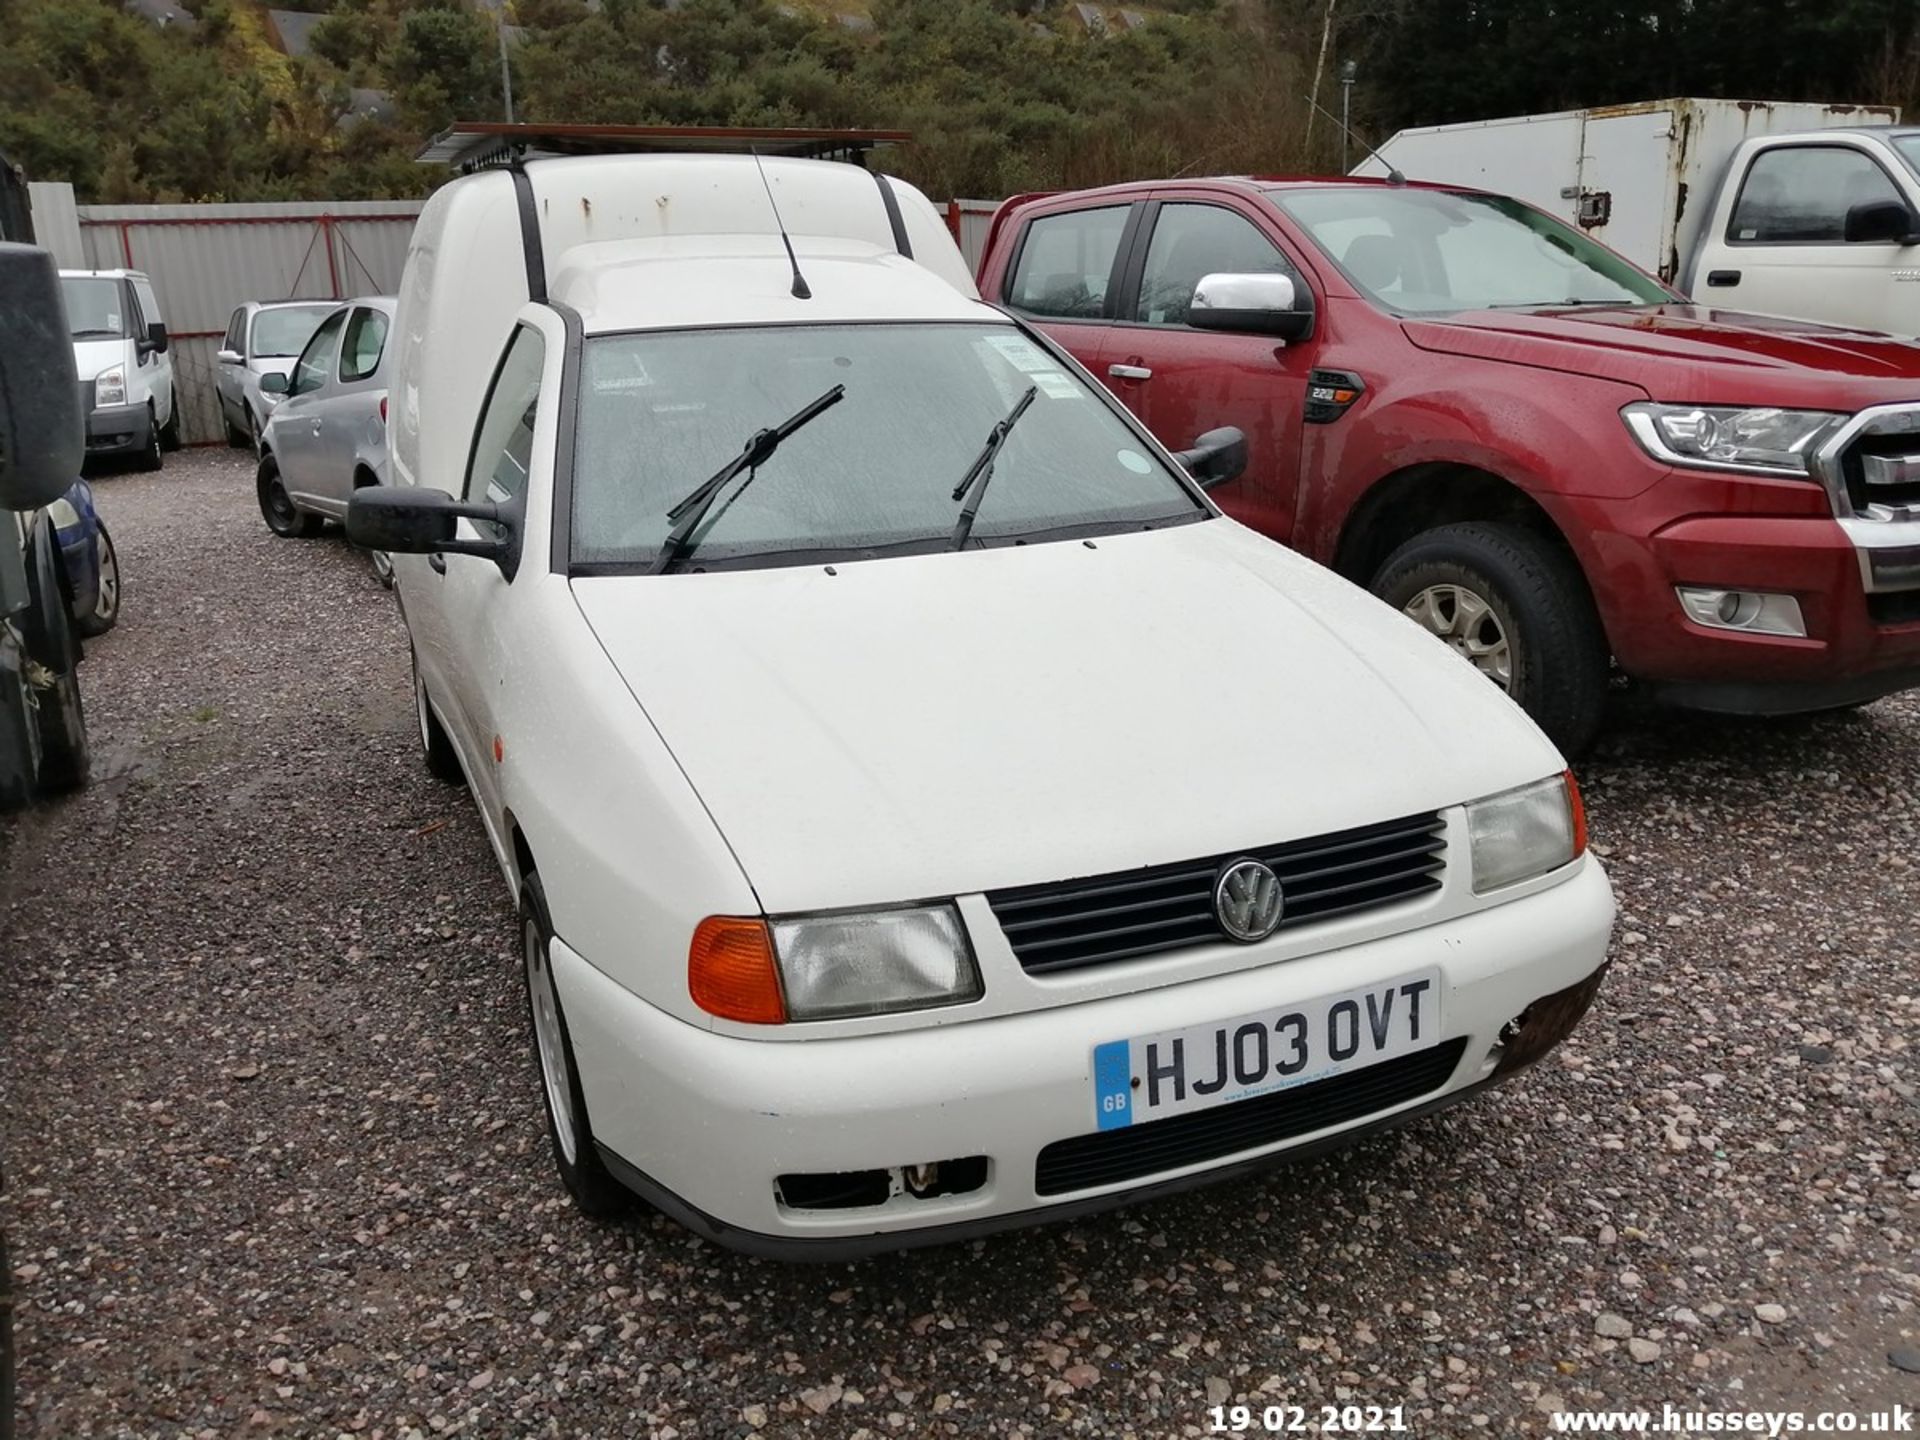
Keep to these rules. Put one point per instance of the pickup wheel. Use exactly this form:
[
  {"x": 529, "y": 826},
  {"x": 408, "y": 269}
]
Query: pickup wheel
[
  {"x": 594, "y": 1191},
  {"x": 283, "y": 517},
  {"x": 1516, "y": 606}
]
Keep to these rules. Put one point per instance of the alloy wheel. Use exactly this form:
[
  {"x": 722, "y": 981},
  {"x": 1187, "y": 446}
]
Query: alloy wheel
[
  {"x": 106, "y": 600},
  {"x": 555, "y": 1074},
  {"x": 1467, "y": 621}
]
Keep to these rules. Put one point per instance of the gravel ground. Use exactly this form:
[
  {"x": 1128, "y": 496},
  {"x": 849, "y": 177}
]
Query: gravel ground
[{"x": 276, "y": 1163}]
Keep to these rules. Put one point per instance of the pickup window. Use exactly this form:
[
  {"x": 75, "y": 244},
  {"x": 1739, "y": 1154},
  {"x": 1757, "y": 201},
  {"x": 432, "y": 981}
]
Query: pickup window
[
  {"x": 1066, "y": 263},
  {"x": 1418, "y": 251},
  {"x": 1800, "y": 195},
  {"x": 1191, "y": 242}
]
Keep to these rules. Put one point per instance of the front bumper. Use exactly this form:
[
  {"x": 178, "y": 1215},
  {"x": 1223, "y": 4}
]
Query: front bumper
[
  {"x": 1778, "y": 536},
  {"x": 703, "y": 1123},
  {"x": 118, "y": 429}
]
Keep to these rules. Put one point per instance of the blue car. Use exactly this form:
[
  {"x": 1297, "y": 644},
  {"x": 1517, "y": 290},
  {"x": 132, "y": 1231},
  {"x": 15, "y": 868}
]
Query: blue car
[{"x": 92, "y": 566}]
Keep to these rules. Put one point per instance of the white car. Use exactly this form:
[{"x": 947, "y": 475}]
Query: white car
[
  {"x": 928, "y": 813},
  {"x": 262, "y": 339},
  {"x": 124, "y": 363}
]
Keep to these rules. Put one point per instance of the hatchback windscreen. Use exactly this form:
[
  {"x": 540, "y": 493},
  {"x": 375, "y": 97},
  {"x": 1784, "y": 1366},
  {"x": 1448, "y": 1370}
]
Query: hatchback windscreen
[
  {"x": 1438, "y": 251},
  {"x": 873, "y": 472},
  {"x": 96, "y": 309},
  {"x": 282, "y": 334}
]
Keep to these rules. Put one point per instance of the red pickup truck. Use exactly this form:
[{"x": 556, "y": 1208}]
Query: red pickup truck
[{"x": 1538, "y": 451}]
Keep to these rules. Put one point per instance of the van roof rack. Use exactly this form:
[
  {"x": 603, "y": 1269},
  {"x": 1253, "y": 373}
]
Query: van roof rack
[{"x": 472, "y": 145}]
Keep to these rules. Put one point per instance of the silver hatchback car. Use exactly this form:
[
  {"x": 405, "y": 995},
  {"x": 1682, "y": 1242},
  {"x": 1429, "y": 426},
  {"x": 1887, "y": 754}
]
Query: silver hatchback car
[
  {"x": 262, "y": 339},
  {"x": 328, "y": 435}
]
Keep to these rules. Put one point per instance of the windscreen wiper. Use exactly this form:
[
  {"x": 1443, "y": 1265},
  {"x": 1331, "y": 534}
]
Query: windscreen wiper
[
  {"x": 981, "y": 471},
  {"x": 692, "y": 508}
]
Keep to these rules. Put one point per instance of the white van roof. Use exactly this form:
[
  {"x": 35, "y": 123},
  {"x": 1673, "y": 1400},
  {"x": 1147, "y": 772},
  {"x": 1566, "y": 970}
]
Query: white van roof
[{"x": 640, "y": 241}]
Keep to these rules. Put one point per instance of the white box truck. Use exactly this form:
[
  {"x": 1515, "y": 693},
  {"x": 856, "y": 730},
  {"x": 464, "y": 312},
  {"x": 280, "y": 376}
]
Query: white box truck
[{"x": 1804, "y": 210}]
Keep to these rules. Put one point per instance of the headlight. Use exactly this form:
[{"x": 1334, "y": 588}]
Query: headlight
[
  {"x": 817, "y": 967},
  {"x": 1521, "y": 833},
  {"x": 1771, "y": 442},
  {"x": 110, "y": 387}
]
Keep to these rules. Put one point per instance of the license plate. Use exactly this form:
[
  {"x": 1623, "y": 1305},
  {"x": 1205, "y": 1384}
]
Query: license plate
[{"x": 1175, "y": 1072}]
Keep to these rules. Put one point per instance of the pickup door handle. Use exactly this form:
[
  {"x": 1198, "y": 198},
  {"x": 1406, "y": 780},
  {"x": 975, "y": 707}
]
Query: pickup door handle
[
  {"x": 1129, "y": 372},
  {"x": 1723, "y": 277}
]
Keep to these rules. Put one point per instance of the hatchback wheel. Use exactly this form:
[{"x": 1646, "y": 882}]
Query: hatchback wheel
[
  {"x": 1513, "y": 604},
  {"x": 106, "y": 598},
  {"x": 595, "y": 1191},
  {"x": 283, "y": 517}
]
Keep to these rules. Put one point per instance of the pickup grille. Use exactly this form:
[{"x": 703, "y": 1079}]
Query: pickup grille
[
  {"x": 1883, "y": 470},
  {"x": 1108, "y": 1157},
  {"x": 1076, "y": 923}
]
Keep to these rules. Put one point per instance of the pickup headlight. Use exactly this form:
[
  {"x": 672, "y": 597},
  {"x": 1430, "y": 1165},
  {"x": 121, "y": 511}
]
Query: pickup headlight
[
  {"x": 1705, "y": 437},
  {"x": 110, "y": 387},
  {"x": 1521, "y": 833},
  {"x": 820, "y": 967}
]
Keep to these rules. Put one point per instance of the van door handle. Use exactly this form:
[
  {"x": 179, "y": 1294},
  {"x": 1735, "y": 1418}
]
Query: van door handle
[
  {"x": 1723, "y": 277},
  {"x": 1129, "y": 372}
]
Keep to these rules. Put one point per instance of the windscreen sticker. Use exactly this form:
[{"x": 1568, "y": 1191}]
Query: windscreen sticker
[
  {"x": 1134, "y": 461},
  {"x": 1022, "y": 354},
  {"x": 1057, "y": 385}
]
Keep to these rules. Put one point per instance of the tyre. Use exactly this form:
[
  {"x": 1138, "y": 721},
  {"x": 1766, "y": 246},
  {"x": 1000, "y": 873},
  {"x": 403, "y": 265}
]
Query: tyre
[
  {"x": 53, "y": 652},
  {"x": 594, "y": 1191},
  {"x": 1516, "y": 606},
  {"x": 105, "y": 613},
  {"x": 283, "y": 517},
  {"x": 237, "y": 438},
  {"x": 149, "y": 458},
  {"x": 443, "y": 763},
  {"x": 170, "y": 432}
]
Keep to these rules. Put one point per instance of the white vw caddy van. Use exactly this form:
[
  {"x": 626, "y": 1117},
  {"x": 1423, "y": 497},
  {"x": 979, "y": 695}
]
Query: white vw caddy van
[{"x": 928, "y": 813}]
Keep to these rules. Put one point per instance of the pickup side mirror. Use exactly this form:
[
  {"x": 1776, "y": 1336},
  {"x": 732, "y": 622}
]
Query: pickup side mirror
[
  {"x": 42, "y": 429},
  {"x": 1879, "y": 222},
  {"x": 1257, "y": 304},
  {"x": 1216, "y": 457},
  {"x": 412, "y": 520},
  {"x": 273, "y": 383}
]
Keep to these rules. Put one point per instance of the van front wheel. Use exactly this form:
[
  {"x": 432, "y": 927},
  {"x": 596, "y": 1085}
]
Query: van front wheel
[{"x": 1514, "y": 605}]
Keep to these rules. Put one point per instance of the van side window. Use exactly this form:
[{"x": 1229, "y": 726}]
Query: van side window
[
  {"x": 315, "y": 364},
  {"x": 503, "y": 445},
  {"x": 1191, "y": 242},
  {"x": 1066, "y": 262},
  {"x": 1800, "y": 195}
]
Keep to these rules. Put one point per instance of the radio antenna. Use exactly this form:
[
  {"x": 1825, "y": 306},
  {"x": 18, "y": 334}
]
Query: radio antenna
[
  {"x": 1394, "y": 177},
  {"x": 800, "y": 290}
]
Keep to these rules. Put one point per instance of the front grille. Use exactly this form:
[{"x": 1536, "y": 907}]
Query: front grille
[
  {"x": 1108, "y": 1157},
  {"x": 1883, "y": 470},
  {"x": 1167, "y": 907}
]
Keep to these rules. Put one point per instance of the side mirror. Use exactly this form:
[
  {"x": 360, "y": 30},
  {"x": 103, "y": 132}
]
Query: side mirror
[
  {"x": 1256, "y": 304},
  {"x": 1880, "y": 222},
  {"x": 157, "y": 338},
  {"x": 42, "y": 431},
  {"x": 412, "y": 520},
  {"x": 1216, "y": 457},
  {"x": 229, "y": 357},
  {"x": 273, "y": 383}
]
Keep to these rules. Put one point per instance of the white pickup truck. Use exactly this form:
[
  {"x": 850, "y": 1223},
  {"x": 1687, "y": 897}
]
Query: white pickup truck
[{"x": 1810, "y": 211}]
